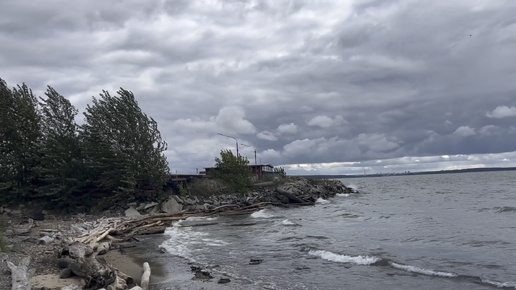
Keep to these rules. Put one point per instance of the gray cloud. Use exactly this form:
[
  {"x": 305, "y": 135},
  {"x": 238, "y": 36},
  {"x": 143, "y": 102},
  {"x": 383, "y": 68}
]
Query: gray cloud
[{"x": 302, "y": 81}]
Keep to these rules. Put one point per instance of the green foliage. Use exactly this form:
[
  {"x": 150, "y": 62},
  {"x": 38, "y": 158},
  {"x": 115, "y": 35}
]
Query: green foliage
[
  {"x": 280, "y": 171},
  {"x": 44, "y": 154},
  {"x": 122, "y": 146},
  {"x": 61, "y": 164},
  {"x": 234, "y": 171},
  {"x": 20, "y": 138}
]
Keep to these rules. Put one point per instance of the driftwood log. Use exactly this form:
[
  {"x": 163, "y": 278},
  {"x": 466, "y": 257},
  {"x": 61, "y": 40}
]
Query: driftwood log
[
  {"x": 20, "y": 280},
  {"x": 98, "y": 237}
]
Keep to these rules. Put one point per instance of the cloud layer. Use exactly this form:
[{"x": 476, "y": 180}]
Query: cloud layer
[{"x": 302, "y": 81}]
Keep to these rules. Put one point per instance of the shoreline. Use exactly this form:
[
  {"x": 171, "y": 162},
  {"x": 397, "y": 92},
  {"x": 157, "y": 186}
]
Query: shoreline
[{"x": 128, "y": 257}]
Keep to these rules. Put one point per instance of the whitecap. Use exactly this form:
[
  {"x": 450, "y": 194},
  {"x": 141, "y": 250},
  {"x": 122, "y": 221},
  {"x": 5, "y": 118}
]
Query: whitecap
[
  {"x": 322, "y": 201},
  {"x": 287, "y": 222},
  {"x": 263, "y": 213},
  {"x": 359, "y": 260},
  {"x": 500, "y": 284},
  {"x": 343, "y": 194},
  {"x": 200, "y": 218},
  {"x": 418, "y": 270},
  {"x": 182, "y": 241}
]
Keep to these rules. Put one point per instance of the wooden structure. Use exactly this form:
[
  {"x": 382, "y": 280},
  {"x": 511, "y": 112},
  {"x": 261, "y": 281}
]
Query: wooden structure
[{"x": 259, "y": 172}]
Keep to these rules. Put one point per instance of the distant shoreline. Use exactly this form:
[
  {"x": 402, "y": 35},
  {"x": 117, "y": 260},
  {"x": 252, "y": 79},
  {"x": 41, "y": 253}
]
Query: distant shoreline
[{"x": 487, "y": 169}]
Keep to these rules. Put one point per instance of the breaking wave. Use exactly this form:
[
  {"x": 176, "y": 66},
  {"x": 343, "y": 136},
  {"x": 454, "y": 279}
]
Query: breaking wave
[
  {"x": 423, "y": 271},
  {"x": 358, "y": 260},
  {"x": 321, "y": 200},
  {"x": 263, "y": 213}
]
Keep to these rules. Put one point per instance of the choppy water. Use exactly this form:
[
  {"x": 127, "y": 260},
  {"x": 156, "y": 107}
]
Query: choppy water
[{"x": 449, "y": 231}]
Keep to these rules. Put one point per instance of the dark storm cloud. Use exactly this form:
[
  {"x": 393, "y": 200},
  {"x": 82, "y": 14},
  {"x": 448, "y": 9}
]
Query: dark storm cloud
[{"x": 302, "y": 81}]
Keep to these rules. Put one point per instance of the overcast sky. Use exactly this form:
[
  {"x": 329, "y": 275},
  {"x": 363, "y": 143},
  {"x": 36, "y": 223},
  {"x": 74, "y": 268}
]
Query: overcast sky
[{"x": 327, "y": 86}]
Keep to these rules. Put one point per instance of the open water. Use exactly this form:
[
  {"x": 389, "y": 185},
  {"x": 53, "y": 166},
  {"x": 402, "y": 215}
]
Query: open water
[{"x": 444, "y": 231}]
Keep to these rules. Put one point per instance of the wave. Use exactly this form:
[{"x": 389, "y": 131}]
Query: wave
[
  {"x": 505, "y": 209},
  {"x": 414, "y": 269},
  {"x": 500, "y": 284},
  {"x": 182, "y": 241},
  {"x": 321, "y": 200},
  {"x": 287, "y": 222},
  {"x": 343, "y": 194},
  {"x": 376, "y": 261},
  {"x": 263, "y": 213},
  {"x": 358, "y": 260}
]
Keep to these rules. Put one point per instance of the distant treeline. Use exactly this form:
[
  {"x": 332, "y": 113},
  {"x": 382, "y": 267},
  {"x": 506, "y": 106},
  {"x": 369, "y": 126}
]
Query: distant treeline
[
  {"x": 480, "y": 169},
  {"x": 116, "y": 154}
]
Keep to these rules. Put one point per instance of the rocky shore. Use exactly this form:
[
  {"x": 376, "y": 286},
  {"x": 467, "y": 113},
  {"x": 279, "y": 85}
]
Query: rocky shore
[{"x": 43, "y": 239}]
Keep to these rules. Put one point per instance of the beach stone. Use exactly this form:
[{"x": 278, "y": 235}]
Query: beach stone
[
  {"x": 131, "y": 212},
  {"x": 224, "y": 280},
  {"x": 149, "y": 205},
  {"x": 171, "y": 206},
  {"x": 66, "y": 273}
]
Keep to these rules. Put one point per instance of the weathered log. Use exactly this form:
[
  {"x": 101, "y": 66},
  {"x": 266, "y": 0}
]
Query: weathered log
[
  {"x": 20, "y": 280},
  {"x": 146, "y": 276}
]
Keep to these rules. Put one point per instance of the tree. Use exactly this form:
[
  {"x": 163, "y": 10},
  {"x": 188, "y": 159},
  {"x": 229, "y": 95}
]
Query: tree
[
  {"x": 20, "y": 137},
  {"x": 123, "y": 147},
  {"x": 61, "y": 163},
  {"x": 233, "y": 170}
]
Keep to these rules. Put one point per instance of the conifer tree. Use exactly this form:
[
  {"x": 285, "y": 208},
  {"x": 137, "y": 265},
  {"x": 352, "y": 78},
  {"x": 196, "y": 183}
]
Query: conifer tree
[
  {"x": 20, "y": 137},
  {"x": 123, "y": 146},
  {"x": 61, "y": 161}
]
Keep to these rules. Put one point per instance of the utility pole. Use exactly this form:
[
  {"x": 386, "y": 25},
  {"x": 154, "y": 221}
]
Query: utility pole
[
  {"x": 236, "y": 141},
  {"x": 254, "y": 151}
]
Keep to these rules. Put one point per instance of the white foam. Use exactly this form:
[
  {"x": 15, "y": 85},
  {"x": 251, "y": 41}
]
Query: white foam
[
  {"x": 343, "y": 194},
  {"x": 287, "y": 222},
  {"x": 183, "y": 240},
  {"x": 263, "y": 213},
  {"x": 200, "y": 218},
  {"x": 322, "y": 201},
  {"x": 359, "y": 260},
  {"x": 353, "y": 186},
  {"x": 500, "y": 284},
  {"x": 180, "y": 223},
  {"x": 428, "y": 272}
]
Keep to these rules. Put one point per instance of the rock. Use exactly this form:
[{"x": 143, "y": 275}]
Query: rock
[
  {"x": 149, "y": 205},
  {"x": 154, "y": 210},
  {"x": 66, "y": 273},
  {"x": 203, "y": 275},
  {"x": 255, "y": 261},
  {"x": 7, "y": 210},
  {"x": 38, "y": 216},
  {"x": 45, "y": 240},
  {"x": 224, "y": 280},
  {"x": 171, "y": 206},
  {"x": 178, "y": 199},
  {"x": 131, "y": 212}
]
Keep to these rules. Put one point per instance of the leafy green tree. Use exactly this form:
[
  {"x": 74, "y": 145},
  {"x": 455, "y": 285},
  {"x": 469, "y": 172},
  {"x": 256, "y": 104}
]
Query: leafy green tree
[
  {"x": 123, "y": 147},
  {"x": 20, "y": 137},
  {"x": 61, "y": 163},
  {"x": 234, "y": 171}
]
